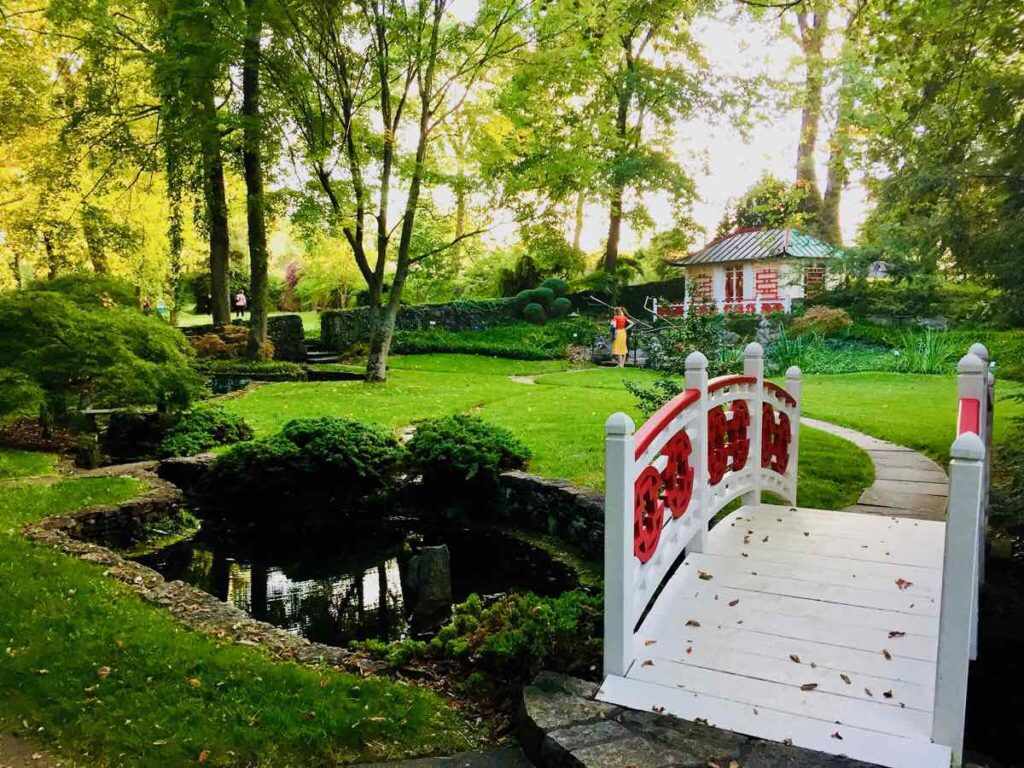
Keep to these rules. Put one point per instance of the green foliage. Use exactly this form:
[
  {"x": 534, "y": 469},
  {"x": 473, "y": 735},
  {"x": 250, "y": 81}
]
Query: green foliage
[
  {"x": 519, "y": 341},
  {"x": 534, "y": 313},
  {"x": 201, "y": 429},
  {"x": 667, "y": 350},
  {"x": 930, "y": 351},
  {"x": 91, "y": 291},
  {"x": 329, "y": 458},
  {"x": 455, "y": 449},
  {"x": 769, "y": 203},
  {"x": 743, "y": 325},
  {"x": 513, "y": 639},
  {"x": 560, "y": 307},
  {"x": 81, "y": 343},
  {"x": 556, "y": 285},
  {"x": 15, "y": 463},
  {"x": 785, "y": 351},
  {"x": 821, "y": 321},
  {"x": 238, "y": 367},
  {"x": 650, "y": 396}
]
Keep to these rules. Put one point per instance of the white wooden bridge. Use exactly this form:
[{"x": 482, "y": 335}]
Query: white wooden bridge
[{"x": 836, "y": 631}]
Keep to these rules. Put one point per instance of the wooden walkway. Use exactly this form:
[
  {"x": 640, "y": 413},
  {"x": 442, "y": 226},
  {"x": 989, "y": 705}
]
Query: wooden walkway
[
  {"x": 810, "y": 627},
  {"x": 848, "y": 632}
]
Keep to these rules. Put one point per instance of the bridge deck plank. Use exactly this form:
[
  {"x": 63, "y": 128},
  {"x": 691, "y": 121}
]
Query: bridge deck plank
[{"x": 780, "y": 626}]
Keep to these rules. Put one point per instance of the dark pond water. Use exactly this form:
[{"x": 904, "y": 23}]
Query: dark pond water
[{"x": 353, "y": 584}]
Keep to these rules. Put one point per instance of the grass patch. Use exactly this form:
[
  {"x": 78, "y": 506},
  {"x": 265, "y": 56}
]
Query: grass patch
[
  {"x": 99, "y": 673},
  {"x": 913, "y": 410},
  {"x": 15, "y": 463},
  {"x": 560, "y": 418}
]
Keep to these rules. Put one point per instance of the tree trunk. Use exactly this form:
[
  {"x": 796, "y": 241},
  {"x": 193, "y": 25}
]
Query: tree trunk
[
  {"x": 253, "y": 163},
  {"x": 577, "y": 232},
  {"x": 52, "y": 260},
  {"x": 611, "y": 251},
  {"x": 840, "y": 145},
  {"x": 216, "y": 201},
  {"x": 91, "y": 231},
  {"x": 460, "y": 219},
  {"x": 812, "y": 37}
]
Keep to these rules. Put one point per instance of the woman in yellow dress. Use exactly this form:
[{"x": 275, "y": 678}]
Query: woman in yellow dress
[{"x": 621, "y": 323}]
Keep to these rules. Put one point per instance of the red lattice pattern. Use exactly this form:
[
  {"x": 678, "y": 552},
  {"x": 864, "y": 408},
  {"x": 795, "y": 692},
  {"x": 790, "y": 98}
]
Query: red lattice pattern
[
  {"x": 775, "y": 438},
  {"x": 653, "y": 490},
  {"x": 728, "y": 440},
  {"x": 700, "y": 286}
]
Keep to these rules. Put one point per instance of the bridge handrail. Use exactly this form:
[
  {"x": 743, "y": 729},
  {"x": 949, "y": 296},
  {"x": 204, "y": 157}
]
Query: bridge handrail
[
  {"x": 664, "y": 482},
  {"x": 964, "y": 554}
]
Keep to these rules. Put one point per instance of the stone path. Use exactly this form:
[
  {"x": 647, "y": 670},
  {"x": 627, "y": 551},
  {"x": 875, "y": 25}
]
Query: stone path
[
  {"x": 502, "y": 757},
  {"x": 907, "y": 483}
]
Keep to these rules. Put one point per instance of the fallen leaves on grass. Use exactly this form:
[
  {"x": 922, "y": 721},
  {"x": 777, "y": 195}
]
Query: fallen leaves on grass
[{"x": 103, "y": 672}]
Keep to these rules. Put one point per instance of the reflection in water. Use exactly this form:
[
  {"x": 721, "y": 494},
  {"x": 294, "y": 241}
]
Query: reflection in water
[{"x": 350, "y": 587}]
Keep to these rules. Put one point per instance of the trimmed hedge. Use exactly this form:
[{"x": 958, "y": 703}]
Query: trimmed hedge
[
  {"x": 459, "y": 448},
  {"x": 201, "y": 429},
  {"x": 312, "y": 462}
]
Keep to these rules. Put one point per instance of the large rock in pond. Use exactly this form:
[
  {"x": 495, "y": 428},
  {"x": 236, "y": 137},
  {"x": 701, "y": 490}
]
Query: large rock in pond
[{"x": 427, "y": 588}]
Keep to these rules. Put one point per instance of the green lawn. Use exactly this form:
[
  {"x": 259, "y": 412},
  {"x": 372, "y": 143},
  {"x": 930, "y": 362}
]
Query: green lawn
[
  {"x": 912, "y": 410},
  {"x": 14, "y": 463},
  {"x": 95, "y": 672},
  {"x": 560, "y": 417}
]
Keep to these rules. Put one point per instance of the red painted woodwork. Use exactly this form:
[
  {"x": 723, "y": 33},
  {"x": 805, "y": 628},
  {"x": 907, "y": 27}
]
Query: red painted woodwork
[
  {"x": 678, "y": 474},
  {"x": 780, "y": 392},
  {"x": 969, "y": 419},
  {"x": 733, "y": 283},
  {"x": 720, "y": 382},
  {"x": 766, "y": 283},
  {"x": 728, "y": 440},
  {"x": 775, "y": 439},
  {"x": 661, "y": 419},
  {"x": 648, "y": 512}
]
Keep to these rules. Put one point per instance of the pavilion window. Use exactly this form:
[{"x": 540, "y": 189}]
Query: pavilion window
[
  {"x": 814, "y": 280},
  {"x": 733, "y": 283}
]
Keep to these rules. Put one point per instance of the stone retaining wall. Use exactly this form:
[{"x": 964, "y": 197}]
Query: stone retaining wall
[
  {"x": 285, "y": 331},
  {"x": 557, "y": 508}
]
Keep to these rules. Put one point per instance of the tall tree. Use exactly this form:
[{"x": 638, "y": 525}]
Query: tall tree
[
  {"x": 597, "y": 100},
  {"x": 359, "y": 78},
  {"x": 252, "y": 160}
]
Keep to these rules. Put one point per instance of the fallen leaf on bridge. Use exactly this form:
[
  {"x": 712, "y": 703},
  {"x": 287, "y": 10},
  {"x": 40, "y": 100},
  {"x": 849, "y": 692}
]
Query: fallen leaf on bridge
[
  {"x": 888, "y": 694},
  {"x": 837, "y": 736},
  {"x": 808, "y": 686},
  {"x": 903, "y": 583},
  {"x": 897, "y": 634},
  {"x": 734, "y": 603},
  {"x": 888, "y": 656},
  {"x": 647, "y": 663},
  {"x": 649, "y": 643},
  {"x": 869, "y": 693},
  {"x": 692, "y": 623},
  {"x": 845, "y": 678},
  {"x": 794, "y": 657},
  {"x": 704, "y": 575}
]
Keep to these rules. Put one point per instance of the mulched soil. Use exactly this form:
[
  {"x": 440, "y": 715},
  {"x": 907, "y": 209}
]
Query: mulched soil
[{"x": 24, "y": 434}]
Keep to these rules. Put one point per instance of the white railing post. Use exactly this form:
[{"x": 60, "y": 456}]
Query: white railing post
[
  {"x": 959, "y": 590},
  {"x": 972, "y": 384},
  {"x": 697, "y": 378},
  {"x": 980, "y": 351},
  {"x": 618, "y": 544},
  {"x": 794, "y": 385},
  {"x": 753, "y": 365}
]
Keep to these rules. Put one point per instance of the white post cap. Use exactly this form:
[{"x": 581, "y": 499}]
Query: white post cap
[
  {"x": 695, "y": 361},
  {"x": 793, "y": 372},
  {"x": 619, "y": 424},
  {"x": 980, "y": 350},
  {"x": 970, "y": 363},
  {"x": 753, "y": 349},
  {"x": 968, "y": 446}
]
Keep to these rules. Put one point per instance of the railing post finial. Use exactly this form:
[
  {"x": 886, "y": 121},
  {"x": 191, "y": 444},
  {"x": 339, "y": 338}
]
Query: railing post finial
[
  {"x": 753, "y": 365},
  {"x": 980, "y": 350},
  {"x": 618, "y": 544}
]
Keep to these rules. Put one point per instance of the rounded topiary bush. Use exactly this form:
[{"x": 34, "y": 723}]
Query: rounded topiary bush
[
  {"x": 561, "y": 307},
  {"x": 201, "y": 429},
  {"x": 557, "y": 286},
  {"x": 522, "y": 299},
  {"x": 535, "y": 313},
  {"x": 318, "y": 464},
  {"x": 464, "y": 453},
  {"x": 543, "y": 296}
]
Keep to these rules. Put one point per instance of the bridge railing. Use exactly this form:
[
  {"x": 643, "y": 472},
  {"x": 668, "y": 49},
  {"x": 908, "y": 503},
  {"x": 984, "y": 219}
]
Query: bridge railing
[
  {"x": 964, "y": 557},
  {"x": 718, "y": 440}
]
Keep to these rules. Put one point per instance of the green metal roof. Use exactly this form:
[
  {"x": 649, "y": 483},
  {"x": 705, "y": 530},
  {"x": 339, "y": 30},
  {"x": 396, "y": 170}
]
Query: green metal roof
[{"x": 755, "y": 244}]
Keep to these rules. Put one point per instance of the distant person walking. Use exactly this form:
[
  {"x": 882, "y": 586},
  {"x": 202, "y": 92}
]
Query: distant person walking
[
  {"x": 622, "y": 324},
  {"x": 240, "y": 303}
]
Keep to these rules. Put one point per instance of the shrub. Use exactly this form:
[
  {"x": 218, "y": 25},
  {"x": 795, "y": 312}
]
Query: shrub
[
  {"x": 543, "y": 296},
  {"x": 743, "y": 325},
  {"x": 68, "y": 346},
  {"x": 930, "y": 351},
  {"x": 557, "y": 286},
  {"x": 311, "y": 462},
  {"x": 234, "y": 367},
  {"x": 822, "y": 321},
  {"x": 534, "y": 313},
  {"x": 561, "y": 307},
  {"x": 522, "y": 299},
  {"x": 668, "y": 349},
  {"x": 132, "y": 436},
  {"x": 460, "y": 448},
  {"x": 201, "y": 429}
]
